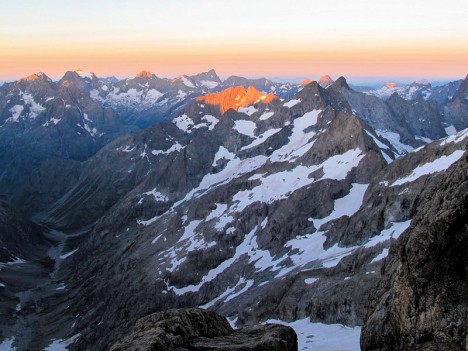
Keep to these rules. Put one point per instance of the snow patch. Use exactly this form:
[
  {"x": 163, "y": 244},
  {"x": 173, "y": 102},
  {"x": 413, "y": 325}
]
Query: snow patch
[
  {"x": 266, "y": 116},
  {"x": 392, "y": 232},
  {"x": 212, "y": 120},
  {"x": 7, "y": 344},
  {"x": 345, "y": 206},
  {"x": 438, "y": 165},
  {"x": 250, "y": 110},
  {"x": 324, "y": 337},
  {"x": 450, "y": 130},
  {"x": 188, "y": 83},
  {"x": 68, "y": 254},
  {"x": 16, "y": 113},
  {"x": 223, "y": 153},
  {"x": 245, "y": 127},
  {"x": 455, "y": 138},
  {"x": 62, "y": 345},
  {"x": 380, "y": 256},
  {"x": 209, "y": 84},
  {"x": 261, "y": 138},
  {"x": 174, "y": 148},
  {"x": 183, "y": 122},
  {"x": 158, "y": 197},
  {"x": 291, "y": 103},
  {"x": 394, "y": 139}
]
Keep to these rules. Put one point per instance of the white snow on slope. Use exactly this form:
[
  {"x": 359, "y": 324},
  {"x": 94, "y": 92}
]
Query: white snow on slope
[
  {"x": 62, "y": 345},
  {"x": 84, "y": 74},
  {"x": 188, "y": 83},
  {"x": 291, "y": 103},
  {"x": 380, "y": 256},
  {"x": 438, "y": 165},
  {"x": 223, "y": 153},
  {"x": 392, "y": 232},
  {"x": 212, "y": 120},
  {"x": 323, "y": 337},
  {"x": 239, "y": 288},
  {"x": 53, "y": 121},
  {"x": 299, "y": 141},
  {"x": 266, "y": 116},
  {"x": 455, "y": 138},
  {"x": 174, "y": 148},
  {"x": 15, "y": 113},
  {"x": 7, "y": 344},
  {"x": 209, "y": 84},
  {"x": 183, "y": 122},
  {"x": 394, "y": 139},
  {"x": 157, "y": 196},
  {"x": 34, "y": 108},
  {"x": 133, "y": 98},
  {"x": 261, "y": 258},
  {"x": 261, "y": 138},
  {"x": 68, "y": 254},
  {"x": 249, "y": 110},
  {"x": 346, "y": 206},
  {"x": 377, "y": 141},
  {"x": 245, "y": 127},
  {"x": 280, "y": 185},
  {"x": 450, "y": 130},
  {"x": 309, "y": 248}
]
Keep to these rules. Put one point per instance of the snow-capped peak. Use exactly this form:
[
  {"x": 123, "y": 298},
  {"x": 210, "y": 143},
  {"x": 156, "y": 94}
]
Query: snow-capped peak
[{"x": 84, "y": 74}]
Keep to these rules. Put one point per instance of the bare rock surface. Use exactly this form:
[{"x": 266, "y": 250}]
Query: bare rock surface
[
  {"x": 199, "y": 330},
  {"x": 422, "y": 301}
]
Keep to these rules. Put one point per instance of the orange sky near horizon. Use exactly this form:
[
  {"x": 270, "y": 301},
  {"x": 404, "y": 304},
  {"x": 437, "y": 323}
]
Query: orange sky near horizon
[{"x": 398, "y": 40}]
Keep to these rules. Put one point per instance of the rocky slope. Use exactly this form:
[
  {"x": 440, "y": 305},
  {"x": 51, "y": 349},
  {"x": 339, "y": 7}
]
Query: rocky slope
[
  {"x": 421, "y": 302},
  {"x": 277, "y": 210},
  {"x": 285, "y": 211},
  {"x": 199, "y": 330},
  {"x": 45, "y": 129}
]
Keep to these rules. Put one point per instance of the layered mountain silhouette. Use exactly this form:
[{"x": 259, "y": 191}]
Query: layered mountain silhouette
[{"x": 243, "y": 200}]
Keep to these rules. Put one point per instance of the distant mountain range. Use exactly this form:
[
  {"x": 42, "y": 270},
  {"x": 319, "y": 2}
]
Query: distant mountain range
[{"x": 258, "y": 200}]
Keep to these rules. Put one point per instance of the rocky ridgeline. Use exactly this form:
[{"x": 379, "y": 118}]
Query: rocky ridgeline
[{"x": 279, "y": 210}]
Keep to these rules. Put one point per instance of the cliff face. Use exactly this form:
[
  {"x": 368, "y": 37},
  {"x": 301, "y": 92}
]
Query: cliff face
[{"x": 422, "y": 301}]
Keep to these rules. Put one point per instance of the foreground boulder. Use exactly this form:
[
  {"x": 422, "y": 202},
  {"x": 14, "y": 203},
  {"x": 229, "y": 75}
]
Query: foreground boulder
[
  {"x": 422, "y": 300},
  {"x": 199, "y": 330}
]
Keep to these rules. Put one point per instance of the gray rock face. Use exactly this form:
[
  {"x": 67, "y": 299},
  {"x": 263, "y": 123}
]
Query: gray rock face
[
  {"x": 46, "y": 125},
  {"x": 456, "y": 109},
  {"x": 280, "y": 210},
  {"x": 421, "y": 302},
  {"x": 199, "y": 330},
  {"x": 20, "y": 238}
]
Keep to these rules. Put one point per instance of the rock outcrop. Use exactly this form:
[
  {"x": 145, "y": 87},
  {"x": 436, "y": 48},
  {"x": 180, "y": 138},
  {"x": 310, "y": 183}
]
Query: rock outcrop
[
  {"x": 422, "y": 300},
  {"x": 199, "y": 330},
  {"x": 233, "y": 98}
]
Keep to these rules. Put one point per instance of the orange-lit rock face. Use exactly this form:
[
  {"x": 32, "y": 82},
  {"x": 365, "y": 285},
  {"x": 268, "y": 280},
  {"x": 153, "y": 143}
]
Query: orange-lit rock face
[
  {"x": 390, "y": 85},
  {"x": 325, "y": 79},
  {"x": 143, "y": 74},
  {"x": 33, "y": 76},
  {"x": 305, "y": 82},
  {"x": 236, "y": 97}
]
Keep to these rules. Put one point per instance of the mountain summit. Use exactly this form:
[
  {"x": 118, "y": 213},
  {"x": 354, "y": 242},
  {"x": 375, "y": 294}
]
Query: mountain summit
[{"x": 236, "y": 97}]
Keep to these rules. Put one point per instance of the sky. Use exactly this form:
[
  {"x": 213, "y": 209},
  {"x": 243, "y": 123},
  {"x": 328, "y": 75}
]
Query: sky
[{"x": 360, "y": 39}]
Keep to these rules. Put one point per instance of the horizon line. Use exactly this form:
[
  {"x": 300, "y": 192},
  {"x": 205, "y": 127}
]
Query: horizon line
[{"x": 285, "y": 78}]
